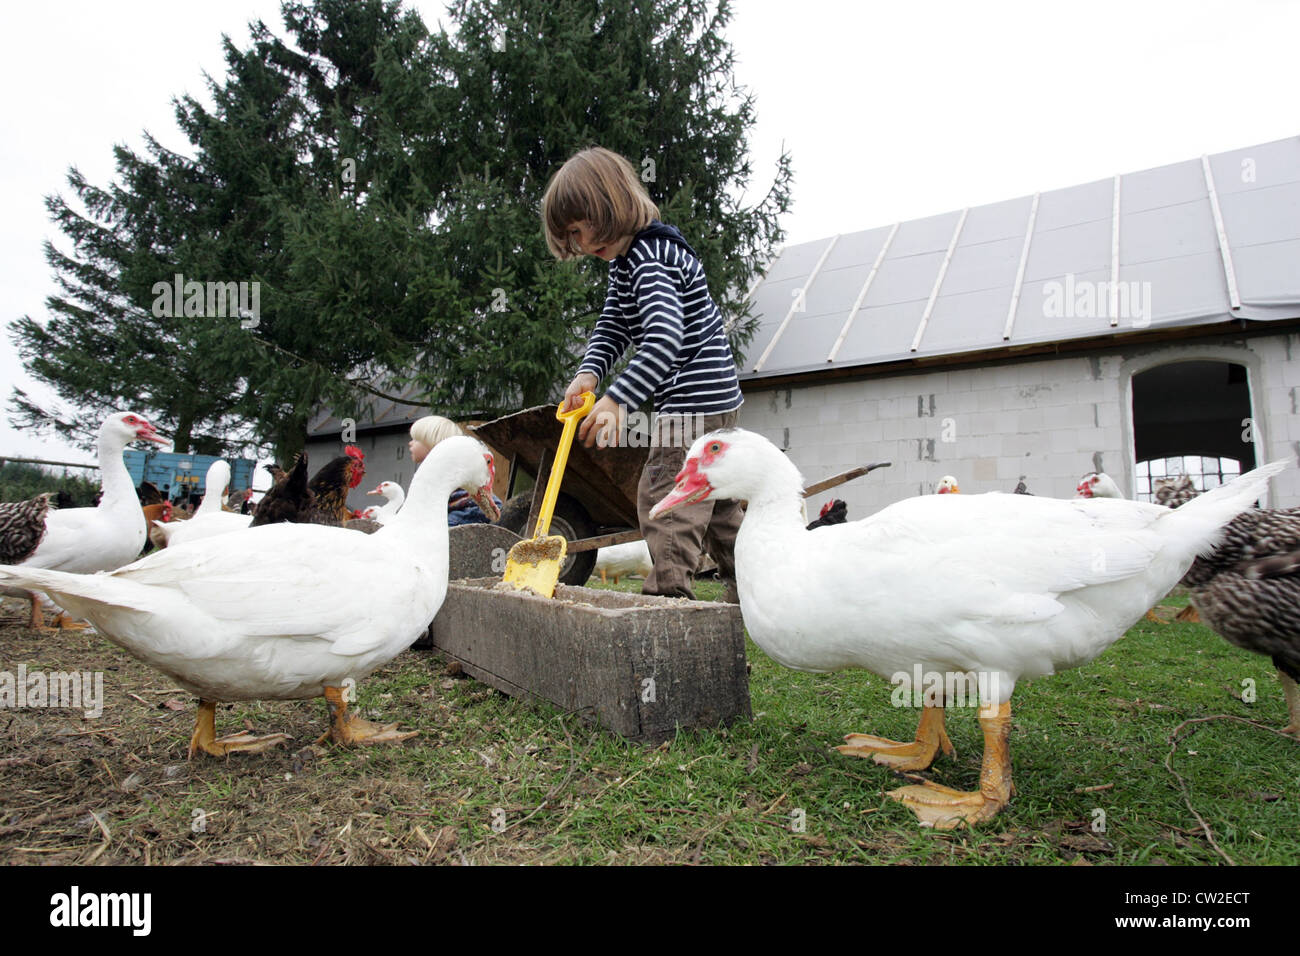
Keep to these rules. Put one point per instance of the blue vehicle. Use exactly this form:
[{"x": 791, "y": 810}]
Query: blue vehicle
[{"x": 177, "y": 472}]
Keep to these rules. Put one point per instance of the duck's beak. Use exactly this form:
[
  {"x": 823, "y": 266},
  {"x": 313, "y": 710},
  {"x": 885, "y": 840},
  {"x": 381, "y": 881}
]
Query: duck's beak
[
  {"x": 146, "y": 433},
  {"x": 483, "y": 498},
  {"x": 692, "y": 486}
]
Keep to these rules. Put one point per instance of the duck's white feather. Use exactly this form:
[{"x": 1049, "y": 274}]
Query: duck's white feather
[
  {"x": 1008, "y": 585},
  {"x": 281, "y": 611},
  {"x": 85, "y": 540}
]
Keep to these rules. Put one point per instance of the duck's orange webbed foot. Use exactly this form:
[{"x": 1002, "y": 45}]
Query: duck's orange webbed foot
[
  {"x": 899, "y": 755},
  {"x": 945, "y": 808},
  {"x": 348, "y": 729},
  {"x": 205, "y": 736}
]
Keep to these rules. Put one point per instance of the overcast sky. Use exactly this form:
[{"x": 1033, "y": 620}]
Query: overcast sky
[{"x": 891, "y": 111}]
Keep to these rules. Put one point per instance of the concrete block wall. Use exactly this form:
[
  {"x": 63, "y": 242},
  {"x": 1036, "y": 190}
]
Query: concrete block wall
[{"x": 1050, "y": 420}]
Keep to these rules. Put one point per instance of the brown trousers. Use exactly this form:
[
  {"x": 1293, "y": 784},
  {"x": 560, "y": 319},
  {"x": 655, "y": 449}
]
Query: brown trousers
[{"x": 676, "y": 539}]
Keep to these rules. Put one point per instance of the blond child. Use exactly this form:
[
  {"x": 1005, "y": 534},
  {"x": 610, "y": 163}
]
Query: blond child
[
  {"x": 426, "y": 433},
  {"x": 657, "y": 300}
]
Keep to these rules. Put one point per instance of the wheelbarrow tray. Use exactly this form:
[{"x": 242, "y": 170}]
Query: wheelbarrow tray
[{"x": 602, "y": 480}]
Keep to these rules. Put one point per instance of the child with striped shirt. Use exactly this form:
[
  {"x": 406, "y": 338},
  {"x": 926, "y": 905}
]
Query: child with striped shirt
[{"x": 657, "y": 300}]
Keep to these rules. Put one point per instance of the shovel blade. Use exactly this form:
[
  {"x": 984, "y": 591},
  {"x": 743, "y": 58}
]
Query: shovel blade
[{"x": 534, "y": 565}]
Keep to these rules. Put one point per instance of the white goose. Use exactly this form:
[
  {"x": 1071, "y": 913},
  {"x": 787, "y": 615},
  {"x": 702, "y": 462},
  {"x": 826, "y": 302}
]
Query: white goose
[
  {"x": 283, "y": 611},
  {"x": 85, "y": 540},
  {"x": 998, "y": 587},
  {"x": 393, "y": 499},
  {"x": 210, "y": 519}
]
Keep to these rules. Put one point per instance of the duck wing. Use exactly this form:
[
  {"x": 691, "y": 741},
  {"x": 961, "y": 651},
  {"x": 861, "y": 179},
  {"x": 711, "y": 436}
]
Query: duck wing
[{"x": 293, "y": 580}]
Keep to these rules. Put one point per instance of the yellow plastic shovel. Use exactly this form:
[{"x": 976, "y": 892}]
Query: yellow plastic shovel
[{"x": 534, "y": 565}]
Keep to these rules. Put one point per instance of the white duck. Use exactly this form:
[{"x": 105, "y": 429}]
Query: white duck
[
  {"x": 393, "y": 499},
  {"x": 85, "y": 540},
  {"x": 996, "y": 587},
  {"x": 210, "y": 519},
  {"x": 623, "y": 560},
  {"x": 283, "y": 611},
  {"x": 1097, "y": 485}
]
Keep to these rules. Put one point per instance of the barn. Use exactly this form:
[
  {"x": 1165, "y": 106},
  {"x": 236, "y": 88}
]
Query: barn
[{"x": 1141, "y": 325}]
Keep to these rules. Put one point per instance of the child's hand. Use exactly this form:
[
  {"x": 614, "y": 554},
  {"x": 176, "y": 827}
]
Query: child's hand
[
  {"x": 603, "y": 425},
  {"x": 582, "y": 382}
]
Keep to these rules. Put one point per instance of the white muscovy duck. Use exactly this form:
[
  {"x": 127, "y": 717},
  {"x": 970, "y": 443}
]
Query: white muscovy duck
[
  {"x": 624, "y": 560},
  {"x": 1029, "y": 586},
  {"x": 394, "y": 496},
  {"x": 85, "y": 540},
  {"x": 284, "y": 611},
  {"x": 210, "y": 519},
  {"x": 1097, "y": 485}
]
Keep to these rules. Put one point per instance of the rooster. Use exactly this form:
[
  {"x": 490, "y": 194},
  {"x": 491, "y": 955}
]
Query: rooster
[
  {"x": 330, "y": 487},
  {"x": 833, "y": 512}
]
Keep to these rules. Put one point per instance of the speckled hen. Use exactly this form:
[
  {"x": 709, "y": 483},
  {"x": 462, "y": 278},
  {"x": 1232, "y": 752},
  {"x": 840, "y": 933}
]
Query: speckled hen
[{"x": 1248, "y": 591}]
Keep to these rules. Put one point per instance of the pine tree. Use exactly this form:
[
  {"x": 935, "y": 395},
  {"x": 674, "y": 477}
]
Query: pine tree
[{"x": 380, "y": 184}]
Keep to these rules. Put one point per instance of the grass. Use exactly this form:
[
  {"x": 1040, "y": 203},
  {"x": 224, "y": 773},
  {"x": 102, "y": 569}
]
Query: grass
[{"x": 493, "y": 780}]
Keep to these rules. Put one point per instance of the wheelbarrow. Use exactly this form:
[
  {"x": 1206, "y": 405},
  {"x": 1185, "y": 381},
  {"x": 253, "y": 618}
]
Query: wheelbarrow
[{"x": 598, "y": 495}]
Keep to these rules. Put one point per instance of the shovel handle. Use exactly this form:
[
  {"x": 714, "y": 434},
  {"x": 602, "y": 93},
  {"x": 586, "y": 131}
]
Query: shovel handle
[{"x": 570, "y": 420}]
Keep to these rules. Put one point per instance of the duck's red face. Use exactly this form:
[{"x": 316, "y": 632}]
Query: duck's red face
[
  {"x": 143, "y": 430},
  {"x": 693, "y": 480},
  {"x": 1086, "y": 487},
  {"x": 483, "y": 495}
]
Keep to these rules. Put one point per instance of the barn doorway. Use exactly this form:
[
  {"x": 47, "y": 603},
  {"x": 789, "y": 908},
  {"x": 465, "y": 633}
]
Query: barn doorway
[{"x": 1191, "y": 418}]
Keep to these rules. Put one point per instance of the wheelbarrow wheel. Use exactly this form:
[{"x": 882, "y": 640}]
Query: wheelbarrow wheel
[{"x": 570, "y": 520}]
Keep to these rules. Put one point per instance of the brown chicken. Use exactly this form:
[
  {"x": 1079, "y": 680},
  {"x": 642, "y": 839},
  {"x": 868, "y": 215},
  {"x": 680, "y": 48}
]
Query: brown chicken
[
  {"x": 149, "y": 494},
  {"x": 322, "y": 501},
  {"x": 331, "y": 485},
  {"x": 289, "y": 497},
  {"x": 160, "y": 511}
]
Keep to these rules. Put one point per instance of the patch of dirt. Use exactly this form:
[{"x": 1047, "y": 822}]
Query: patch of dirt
[{"x": 119, "y": 788}]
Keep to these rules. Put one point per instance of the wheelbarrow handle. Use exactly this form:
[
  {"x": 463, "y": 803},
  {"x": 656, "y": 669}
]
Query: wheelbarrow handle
[{"x": 570, "y": 420}]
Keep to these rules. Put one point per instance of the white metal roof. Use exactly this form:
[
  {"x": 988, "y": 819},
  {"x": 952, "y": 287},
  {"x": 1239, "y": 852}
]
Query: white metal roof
[{"x": 1192, "y": 243}]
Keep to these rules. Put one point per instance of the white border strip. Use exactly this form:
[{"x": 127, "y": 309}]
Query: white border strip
[
  {"x": 938, "y": 282},
  {"x": 1020, "y": 272},
  {"x": 857, "y": 304},
  {"x": 1225, "y": 253},
  {"x": 1114, "y": 257}
]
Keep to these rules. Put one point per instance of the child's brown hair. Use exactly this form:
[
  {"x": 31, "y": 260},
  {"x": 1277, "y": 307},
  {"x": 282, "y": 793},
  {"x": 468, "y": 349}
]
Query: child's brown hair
[{"x": 596, "y": 186}]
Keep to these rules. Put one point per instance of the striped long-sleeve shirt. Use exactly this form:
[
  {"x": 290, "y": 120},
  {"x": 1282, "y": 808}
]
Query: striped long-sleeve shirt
[{"x": 658, "y": 300}]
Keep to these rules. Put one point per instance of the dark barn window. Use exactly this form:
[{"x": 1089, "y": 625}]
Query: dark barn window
[{"x": 1191, "y": 418}]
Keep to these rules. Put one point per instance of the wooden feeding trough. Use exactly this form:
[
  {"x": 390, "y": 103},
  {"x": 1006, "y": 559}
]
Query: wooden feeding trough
[
  {"x": 641, "y": 666},
  {"x": 637, "y": 665}
]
